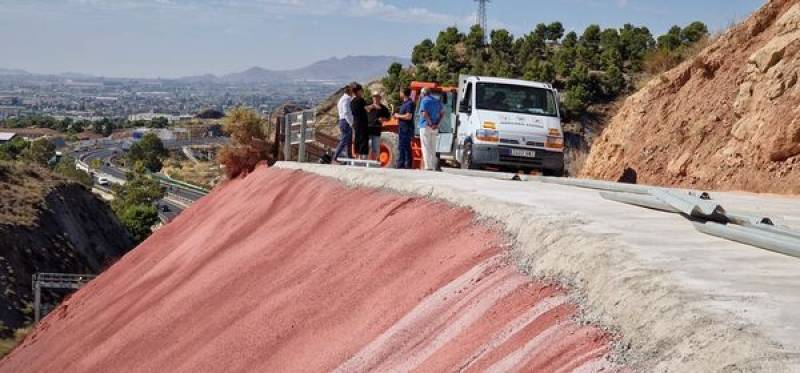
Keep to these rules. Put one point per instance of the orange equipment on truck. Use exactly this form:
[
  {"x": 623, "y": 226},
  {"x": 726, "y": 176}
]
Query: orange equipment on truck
[{"x": 389, "y": 134}]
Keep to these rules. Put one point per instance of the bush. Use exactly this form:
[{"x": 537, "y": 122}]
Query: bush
[
  {"x": 66, "y": 167},
  {"x": 249, "y": 142},
  {"x": 139, "y": 220}
]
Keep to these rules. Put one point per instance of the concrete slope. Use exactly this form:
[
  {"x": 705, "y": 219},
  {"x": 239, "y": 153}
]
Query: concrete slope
[
  {"x": 680, "y": 300},
  {"x": 286, "y": 271}
]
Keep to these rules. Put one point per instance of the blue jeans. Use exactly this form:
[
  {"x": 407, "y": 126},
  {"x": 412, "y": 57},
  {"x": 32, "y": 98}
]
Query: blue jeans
[
  {"x": 404, "y": 157},
  {"x": 345, "y": 141}
]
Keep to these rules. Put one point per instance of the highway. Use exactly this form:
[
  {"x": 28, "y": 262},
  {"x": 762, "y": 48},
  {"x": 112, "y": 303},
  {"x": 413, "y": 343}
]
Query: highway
[{"x": 177, "y": 199}]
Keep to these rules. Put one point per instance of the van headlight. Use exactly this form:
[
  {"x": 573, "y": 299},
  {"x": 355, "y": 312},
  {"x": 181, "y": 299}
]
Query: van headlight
[
  {"x": 487, "y": 135},
  {"x": 554, "y": 142}
]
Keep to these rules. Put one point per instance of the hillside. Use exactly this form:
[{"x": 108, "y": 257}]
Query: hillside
[
  {"x": 726, "y": 119},
  {"x": 49, "y": 224}
]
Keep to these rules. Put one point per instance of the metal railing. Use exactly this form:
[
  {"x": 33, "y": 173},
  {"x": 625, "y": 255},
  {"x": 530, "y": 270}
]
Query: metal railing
[
  {"x": 298, "y": 129},
  {"x": 55, "y": 281}
]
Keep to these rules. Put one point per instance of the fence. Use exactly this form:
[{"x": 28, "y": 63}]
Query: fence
[{"x": 298, "y": 129}]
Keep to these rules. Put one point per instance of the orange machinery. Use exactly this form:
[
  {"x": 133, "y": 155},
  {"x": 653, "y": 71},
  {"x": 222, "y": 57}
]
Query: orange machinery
[{"x": 389, "y": 137}]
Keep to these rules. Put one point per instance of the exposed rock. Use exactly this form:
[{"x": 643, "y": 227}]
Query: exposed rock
[{"x": 678, "y": 130}]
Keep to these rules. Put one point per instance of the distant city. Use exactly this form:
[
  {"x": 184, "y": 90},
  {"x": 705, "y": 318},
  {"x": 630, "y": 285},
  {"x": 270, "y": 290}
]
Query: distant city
[
  {"x": 85, "y": 97},
  {"x": 96, "y": 98}
]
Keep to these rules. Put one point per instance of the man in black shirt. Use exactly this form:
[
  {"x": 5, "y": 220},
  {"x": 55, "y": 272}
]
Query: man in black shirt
[
  {"x": 360, "y": 123},
  {"x": 377, "y": 113}
]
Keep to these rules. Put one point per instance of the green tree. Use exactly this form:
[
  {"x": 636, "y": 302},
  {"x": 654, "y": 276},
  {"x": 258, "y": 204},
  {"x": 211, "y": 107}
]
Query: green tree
[
  {"x": 555, "y": 31},
  {"x": 139, "y": 189},
  {"x": 671, "y": 40},
  {"x": 589, "y": 46},
  {"x": 139, "y": 220},
  {"x": 134, "y": 202},
  {"x": 40, "y": 151},
  {"x": 694, "y": 32},
  {"x": 613, "y": 81},
  {"x": 540, "y": 71},
  {"x": 395, "y": 80},
  {"x": 501, "y": 50},
  {"x": 579, "y": 89},
  {"x": 446, "y": 43},
  {"x": 635, "y": 43},
  {"x": 12, "y": 149},
  {"x": 149, "y": 151},
  {"x": 423, "y": 52}
]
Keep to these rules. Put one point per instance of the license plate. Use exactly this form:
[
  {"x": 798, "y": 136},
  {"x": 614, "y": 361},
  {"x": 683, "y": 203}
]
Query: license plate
[{"x": 523, "y": 153}]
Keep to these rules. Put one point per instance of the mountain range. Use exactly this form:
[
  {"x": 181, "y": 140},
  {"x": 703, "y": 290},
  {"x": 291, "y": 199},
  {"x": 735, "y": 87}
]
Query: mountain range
[
  {"x": 350, "y": 68},
  {"x": 358, "y": 68}
]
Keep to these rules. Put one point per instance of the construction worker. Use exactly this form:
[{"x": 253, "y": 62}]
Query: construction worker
[
  {"x": 360, "y": 122},
  {"x": 405, "y": 131},
  {"x": 377, "y": 113},
  {"x": 432, "y": 112},
  {"x": 345, "y": 124}
]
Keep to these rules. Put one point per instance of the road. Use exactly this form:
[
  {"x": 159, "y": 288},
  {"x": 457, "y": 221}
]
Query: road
[{"x": 168, "y": 208}]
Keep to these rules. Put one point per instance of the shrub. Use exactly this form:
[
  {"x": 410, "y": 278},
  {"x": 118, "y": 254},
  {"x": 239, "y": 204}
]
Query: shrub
[{"x": 249, "y": 143}]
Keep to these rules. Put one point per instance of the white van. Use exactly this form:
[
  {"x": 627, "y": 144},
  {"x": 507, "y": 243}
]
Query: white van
[{"x": 505, "y": 123}]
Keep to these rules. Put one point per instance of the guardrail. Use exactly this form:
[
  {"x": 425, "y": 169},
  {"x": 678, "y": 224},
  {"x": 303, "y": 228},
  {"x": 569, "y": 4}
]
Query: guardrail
[
  {"x": 164, "y": 179},
  {"x": 298, "y": 129}
]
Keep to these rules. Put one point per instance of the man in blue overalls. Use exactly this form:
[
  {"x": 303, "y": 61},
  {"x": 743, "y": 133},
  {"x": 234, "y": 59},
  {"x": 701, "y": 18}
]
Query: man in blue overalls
[{"x": 405, "y": 130}]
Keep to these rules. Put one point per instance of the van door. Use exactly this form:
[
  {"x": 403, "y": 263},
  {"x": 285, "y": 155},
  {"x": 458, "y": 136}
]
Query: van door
[
  {"x": 463, "y": 116},
  {"x": 447, "y": 126}
]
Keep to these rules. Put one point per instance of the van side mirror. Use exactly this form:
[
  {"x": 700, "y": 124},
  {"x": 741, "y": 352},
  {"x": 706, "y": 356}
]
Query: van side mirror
[{"x": 463, "y": 107}]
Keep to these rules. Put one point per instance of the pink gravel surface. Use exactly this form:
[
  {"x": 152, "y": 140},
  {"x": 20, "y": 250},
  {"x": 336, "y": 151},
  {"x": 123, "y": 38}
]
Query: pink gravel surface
[{"x": 284, "y": 271}]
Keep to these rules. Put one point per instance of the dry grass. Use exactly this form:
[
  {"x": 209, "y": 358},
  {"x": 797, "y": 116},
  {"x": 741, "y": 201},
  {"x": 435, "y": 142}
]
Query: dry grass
[
  {"x": 23, "y": 188},
  {"x": 8, "y": 344},
  {"x": 205, "y": 174}
]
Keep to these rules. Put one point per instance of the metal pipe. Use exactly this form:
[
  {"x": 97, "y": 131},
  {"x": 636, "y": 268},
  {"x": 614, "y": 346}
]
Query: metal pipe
[
  {"x": 485, "y": 174},
  {"x": 301, "y": 146},
  {"x": 690, "y": 205},
  {"x": 753, "y": 237},
  {"x": 594, "y": 184},
  {"x": 638, "y": 200},
  {"x": 287, "y": 144},
  {"x": 776, "y": 230}
]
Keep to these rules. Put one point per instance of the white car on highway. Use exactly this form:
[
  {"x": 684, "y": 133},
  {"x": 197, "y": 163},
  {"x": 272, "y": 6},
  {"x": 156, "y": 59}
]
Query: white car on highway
[{"x": 102, "y": 180}]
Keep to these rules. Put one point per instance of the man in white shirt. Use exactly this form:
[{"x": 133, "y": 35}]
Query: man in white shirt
[{"x": 345, "y": 125}]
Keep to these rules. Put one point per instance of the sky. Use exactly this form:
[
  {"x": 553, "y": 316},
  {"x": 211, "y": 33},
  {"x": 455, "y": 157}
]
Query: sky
[{"x": 174, "y": 38}]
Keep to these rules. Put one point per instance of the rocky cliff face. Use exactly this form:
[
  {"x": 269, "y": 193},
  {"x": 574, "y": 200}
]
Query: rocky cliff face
[
  {"x": 727, "y": 119},
  {"x": 48, "y": 224}
]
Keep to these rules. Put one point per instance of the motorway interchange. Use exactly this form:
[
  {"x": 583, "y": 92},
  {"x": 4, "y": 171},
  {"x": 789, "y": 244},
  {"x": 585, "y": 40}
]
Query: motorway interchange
[{"x": 177, "y": 197}]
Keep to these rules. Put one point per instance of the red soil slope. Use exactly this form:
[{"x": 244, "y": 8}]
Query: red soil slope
[{"x": 289, "y": 272}]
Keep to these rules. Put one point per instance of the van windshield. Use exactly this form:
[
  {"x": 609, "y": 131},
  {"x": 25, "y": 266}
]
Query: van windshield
[{"x": 516, "y": 99}]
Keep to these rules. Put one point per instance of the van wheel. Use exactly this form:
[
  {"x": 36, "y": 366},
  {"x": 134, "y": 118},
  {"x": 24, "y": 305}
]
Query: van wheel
[
  {"x": 553, "y": 173},
  {"x": 467, "y": 162},
  {"x": 388, "y": 155}
]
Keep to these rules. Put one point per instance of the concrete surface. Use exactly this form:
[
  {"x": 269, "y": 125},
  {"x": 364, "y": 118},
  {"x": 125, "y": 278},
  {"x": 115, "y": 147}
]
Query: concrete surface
[{"x": 678, "y": 299}]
